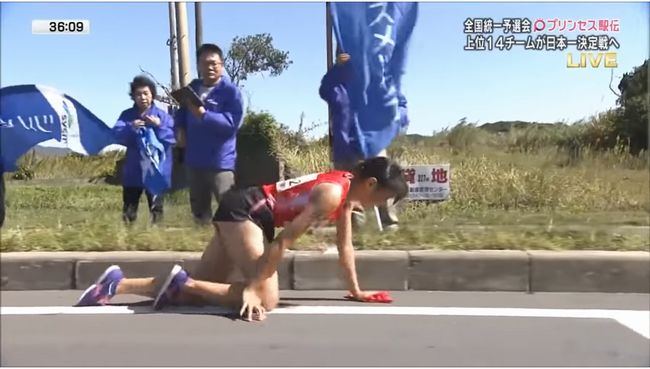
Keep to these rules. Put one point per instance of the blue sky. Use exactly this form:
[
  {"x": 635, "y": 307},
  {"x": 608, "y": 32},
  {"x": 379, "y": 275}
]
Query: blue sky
[{"x": 443, "y": 84}]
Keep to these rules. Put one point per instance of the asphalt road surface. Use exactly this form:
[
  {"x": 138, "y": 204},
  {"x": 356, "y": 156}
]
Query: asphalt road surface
[{"x": 319, "y": 328}]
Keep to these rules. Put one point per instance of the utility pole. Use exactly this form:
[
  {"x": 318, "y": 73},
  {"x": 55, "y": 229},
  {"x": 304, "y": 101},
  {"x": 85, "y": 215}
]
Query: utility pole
[
  {"x": 198, "y": 18},
  {"x": 330, "y": 63},
  {"x": 198, "y": 30},
  {"x": 173, "y": 47},
  {"x": 180, "y": 64},
  {"x": 328, "y": 33},
  {"x": 183, "y": 44}
]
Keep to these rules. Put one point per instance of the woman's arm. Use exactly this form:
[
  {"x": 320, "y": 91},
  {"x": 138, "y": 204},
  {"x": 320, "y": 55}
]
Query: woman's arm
[
  {"x": 346, "y": 249},
  {"x": 324, "y": 199},
  {"x": 123, "y": 131},
  {"x": 346, "y": 254}
]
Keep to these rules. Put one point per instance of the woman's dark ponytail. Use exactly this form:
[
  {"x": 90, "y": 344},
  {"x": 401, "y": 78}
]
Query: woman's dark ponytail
[{"x": 389, "y": 175}]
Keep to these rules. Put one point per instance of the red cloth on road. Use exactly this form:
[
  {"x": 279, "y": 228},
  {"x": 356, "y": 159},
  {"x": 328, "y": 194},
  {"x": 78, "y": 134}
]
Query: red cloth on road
[{"x": 381, "y": 297}]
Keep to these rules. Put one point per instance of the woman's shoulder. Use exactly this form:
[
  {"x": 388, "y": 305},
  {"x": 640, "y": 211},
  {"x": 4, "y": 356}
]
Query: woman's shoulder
[
  {"x": 329, "y": 194},
  {"x": 335, "y": 174},
  {"x": 159, "y": 111}
]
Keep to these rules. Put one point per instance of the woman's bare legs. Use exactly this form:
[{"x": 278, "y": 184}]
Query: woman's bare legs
[
  {"x": 138, "y": 286},
  {"x": 234, "y": 245},
  {"x": 243, "y": 243},
  {"x": 214, "y": 266}
]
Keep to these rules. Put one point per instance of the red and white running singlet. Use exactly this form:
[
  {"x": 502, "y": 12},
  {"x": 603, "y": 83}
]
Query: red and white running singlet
[{"x": 288, "y": 198}]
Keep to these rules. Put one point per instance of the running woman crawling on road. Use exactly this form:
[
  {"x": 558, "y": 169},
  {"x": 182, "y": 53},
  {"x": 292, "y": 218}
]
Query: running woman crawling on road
[{"x": 244, "y": 238}]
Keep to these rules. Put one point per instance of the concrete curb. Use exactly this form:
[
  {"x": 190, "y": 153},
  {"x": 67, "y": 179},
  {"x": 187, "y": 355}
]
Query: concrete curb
[{"x": 482, "y": 270}]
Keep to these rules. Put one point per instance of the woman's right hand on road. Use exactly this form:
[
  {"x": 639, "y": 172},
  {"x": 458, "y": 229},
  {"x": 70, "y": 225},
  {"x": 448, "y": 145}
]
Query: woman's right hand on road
[
  {"x": 252, "y": 308},
  {"x": 370, "y": 296}
]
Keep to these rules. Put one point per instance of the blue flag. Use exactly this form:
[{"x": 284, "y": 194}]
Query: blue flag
[
  {"x": 27, "y": 117},
  {"x": 152, "y": 155},
  {"x": 31, "y": 114},
  {"x": 376, "y": 36}
]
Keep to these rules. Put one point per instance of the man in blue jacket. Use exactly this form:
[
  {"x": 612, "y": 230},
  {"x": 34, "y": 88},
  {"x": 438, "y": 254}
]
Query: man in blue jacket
[
  {"x": 209, "y": 133},
  {"x": 144, "y": 113}
]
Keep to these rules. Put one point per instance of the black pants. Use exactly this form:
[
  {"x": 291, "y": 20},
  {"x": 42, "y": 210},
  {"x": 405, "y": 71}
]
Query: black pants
[
  {"x": 241, "y": 204},
  {"x": 2, "y": 199},
  {"x": 131, "y": 199}
]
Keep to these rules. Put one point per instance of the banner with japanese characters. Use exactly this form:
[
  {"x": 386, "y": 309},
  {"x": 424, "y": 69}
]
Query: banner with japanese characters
[
  {"x": 428, "y": 182},
  {"x": 594, "y": 40},
  {"x": 376, "y": 35}
]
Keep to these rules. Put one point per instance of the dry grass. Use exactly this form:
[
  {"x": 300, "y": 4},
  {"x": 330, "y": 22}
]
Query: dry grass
[{"x": 567, "y": 199}]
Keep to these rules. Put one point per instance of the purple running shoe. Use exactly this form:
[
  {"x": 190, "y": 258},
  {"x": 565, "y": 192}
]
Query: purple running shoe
[
  {"x": 175, "y": 280},
  {"x": 104, "y": 288}
]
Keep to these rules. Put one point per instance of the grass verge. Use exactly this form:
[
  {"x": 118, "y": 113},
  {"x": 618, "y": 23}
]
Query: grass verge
[
  {"x": 86, "y": 217},
  {"x": 519, "y": 190}
]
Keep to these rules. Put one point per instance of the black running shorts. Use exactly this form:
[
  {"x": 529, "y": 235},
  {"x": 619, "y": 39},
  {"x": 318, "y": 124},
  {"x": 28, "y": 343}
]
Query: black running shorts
[{"x": 241, "y": 204}]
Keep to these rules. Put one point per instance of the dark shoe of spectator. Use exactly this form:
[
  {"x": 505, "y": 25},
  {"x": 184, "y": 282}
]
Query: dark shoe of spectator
[
  {"x": 129, "y": 215},
  {"x": 390, "y": 226},
  {"x": 358, "y": 219},
  {"x": 388, "y": 217},
  {"x": 201, "y": 221},
  {"x": 156, "y": 217}
]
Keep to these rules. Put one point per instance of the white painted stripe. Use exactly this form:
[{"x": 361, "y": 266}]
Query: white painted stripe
[
  {"x": 636, "y": 320},
  {"x": 64, "y": 310},
  {"x": 106, "y": 310}
]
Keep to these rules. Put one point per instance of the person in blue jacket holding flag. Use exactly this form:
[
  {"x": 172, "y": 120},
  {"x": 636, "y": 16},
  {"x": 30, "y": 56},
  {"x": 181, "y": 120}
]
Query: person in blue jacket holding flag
[
  {"x": 345, "y": 145},
  {"x": 145, "y": 129}
]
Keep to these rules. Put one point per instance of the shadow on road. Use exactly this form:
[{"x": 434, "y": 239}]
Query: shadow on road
[{"x": 145, "y": 307}]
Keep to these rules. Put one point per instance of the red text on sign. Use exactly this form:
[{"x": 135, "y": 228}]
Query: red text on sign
[
  {"x": 439, "y": 176},
  {"x": 410, "y": 175}
]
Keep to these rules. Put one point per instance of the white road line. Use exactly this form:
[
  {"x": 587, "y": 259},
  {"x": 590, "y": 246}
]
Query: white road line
[{"x": 636, "y": 320}]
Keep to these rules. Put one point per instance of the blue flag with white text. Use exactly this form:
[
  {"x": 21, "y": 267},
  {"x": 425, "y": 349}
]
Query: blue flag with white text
[
  {"x": 152, "y": 155},
  {"x": 32, "y": 114},
  {"x": 376, "y": 36}
]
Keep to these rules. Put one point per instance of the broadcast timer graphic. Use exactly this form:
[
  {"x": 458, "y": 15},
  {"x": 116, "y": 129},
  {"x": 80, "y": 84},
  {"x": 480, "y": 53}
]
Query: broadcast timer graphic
[
  {"x": 595, "y": 46},
  {"x": 60, "y": 26}
]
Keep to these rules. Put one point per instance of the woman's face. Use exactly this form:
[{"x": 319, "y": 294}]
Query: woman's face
[
  {"x": 142, "y": 97},
  {"x": 370, "y": 194}
]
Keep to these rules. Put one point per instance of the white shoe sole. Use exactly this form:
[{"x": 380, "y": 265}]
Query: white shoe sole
[
  {"x": 101, "y": 277},
  {"x": 175, "y": 270}
]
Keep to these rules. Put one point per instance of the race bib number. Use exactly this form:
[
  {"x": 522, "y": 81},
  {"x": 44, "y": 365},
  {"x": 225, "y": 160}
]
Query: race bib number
[{"x": 293, "y": 182}]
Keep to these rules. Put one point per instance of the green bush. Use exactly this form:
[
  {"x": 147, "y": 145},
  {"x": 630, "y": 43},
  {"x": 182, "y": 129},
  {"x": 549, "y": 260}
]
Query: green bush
[
  {"x": 633, "y": 119},
  {"x": 259, "y": 135},
  {"x": 262, "y": 136}
]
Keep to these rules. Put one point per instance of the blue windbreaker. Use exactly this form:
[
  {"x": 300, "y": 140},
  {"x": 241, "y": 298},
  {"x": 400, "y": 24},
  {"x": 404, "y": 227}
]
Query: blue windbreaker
[
  {"x": 126, "y": 135},
  {"x": 211, "y": 142}
]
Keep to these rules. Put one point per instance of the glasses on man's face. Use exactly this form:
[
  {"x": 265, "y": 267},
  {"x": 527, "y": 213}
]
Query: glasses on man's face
[{"x": 212, "y": 63}]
